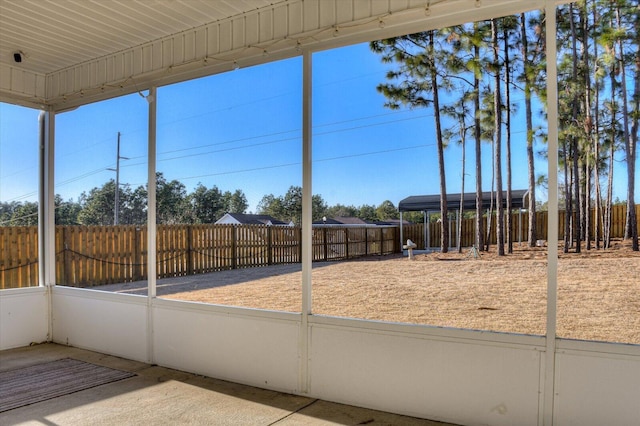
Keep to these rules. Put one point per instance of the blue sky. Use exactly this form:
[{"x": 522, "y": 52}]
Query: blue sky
[{"x": 242, "y": 130}]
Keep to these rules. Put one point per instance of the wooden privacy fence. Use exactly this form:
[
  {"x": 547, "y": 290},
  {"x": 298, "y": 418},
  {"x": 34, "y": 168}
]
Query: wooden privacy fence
[
  {"x": 89, "y": 256},
  {"x": 519, "y": 228},
  {"x": 18, "y": 256},
  {"x": 341, "y": 243},
  {"x": 97, "y": 255}
]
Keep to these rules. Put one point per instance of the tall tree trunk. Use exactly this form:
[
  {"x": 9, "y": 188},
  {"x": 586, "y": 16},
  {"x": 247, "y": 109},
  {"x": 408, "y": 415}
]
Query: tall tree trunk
[
  {"x": 598, "y": 223},
  {"x": 507, "y": 90},
  {"x": 529, "y": 121},
  {"x": 633, "y": 143},
  {"x": 612, "y": 148},
  {"x": 609, "y": 202},
  {"x": 461, "y": 208},
  {"x": 575, "y": 149},
  {"x": 477, "y": 134},
  {"x": 588, "y": 125},
  {"x": 630, "y": 228},
  {"x": 497, "y": 107},
  {"x": 492, "y": 202},
  {"x": 444, "y": 224},
  {"x": 568, "y": 211}
]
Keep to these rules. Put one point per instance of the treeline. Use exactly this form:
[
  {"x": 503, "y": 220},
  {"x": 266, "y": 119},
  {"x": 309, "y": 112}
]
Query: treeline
[
  {"x": 176, "y": 206},
  {"x": 468, "y": 75},
  {"x": 97, "y": 206},
  {"x": 289, "y": 207}
]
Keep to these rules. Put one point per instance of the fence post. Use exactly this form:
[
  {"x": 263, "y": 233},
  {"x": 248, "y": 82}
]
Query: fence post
[
  {"x": 366, "y": 241},
  {"x": 326, "y": 246},
  {"x": 189, "y": 249},
  {"x": 234, "y": 247},
  {"x": 381, "y": 241},
  {"x": 137, "y": 256},
  {"x": 396, "y": 245},
  {"x": 269, "y": 246},
  {"x": 346, "y": 242},
  {"x": 65, "y": 256}
]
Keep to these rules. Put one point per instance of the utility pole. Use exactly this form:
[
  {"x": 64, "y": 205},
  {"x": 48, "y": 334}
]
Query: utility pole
[{"x": 116, "y": 208}]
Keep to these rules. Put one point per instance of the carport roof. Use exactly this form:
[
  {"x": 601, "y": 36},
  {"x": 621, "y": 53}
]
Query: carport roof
[{"x": 432, "y": 202}]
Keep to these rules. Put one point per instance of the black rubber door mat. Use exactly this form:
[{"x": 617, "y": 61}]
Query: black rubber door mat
[{"x": 40, "y": 382}]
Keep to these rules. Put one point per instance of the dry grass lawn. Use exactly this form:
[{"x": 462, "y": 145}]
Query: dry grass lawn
[{"x": 598, "y": 291}]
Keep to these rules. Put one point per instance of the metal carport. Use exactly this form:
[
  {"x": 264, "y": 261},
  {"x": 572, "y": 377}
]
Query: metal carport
[{"x": 431, "y": 203}]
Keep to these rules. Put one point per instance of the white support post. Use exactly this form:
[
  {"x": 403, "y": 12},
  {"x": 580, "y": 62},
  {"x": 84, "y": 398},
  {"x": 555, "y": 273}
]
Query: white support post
[
  {"x": 49, "y": 201},
  {"x": 42, "y": 183},
  {"x": 151, "y": 221},
  {"x": 46, "y": 212},
  {"x": 552, "y": 230},
  {"x": 307, "y": 229}
]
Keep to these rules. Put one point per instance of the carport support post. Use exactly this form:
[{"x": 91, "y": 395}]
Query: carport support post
[{"x": 401, "y": 235}]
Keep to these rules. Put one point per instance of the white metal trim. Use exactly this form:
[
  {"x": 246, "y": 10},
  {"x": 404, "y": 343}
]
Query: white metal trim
[
  {"x": 21, "y": 291},
  {"x": 22, "y": 87},
  {"x": 233, "y": 311},
  {"x": 594, "y": 348},
  {"x": 109, "y": 296},
  {"x": 431, "y": 332}
]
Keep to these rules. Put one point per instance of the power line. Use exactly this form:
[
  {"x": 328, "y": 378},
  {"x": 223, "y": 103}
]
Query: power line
[
  {"x": 96, "y": 171},
  {"x": 283, "y": 140},
  {"x": 276, "y": 166},
  {"x": 271, "y": 134}
]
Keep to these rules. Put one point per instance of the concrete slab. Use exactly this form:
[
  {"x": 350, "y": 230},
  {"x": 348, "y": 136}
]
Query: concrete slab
[{"x": 162, "y": 396}]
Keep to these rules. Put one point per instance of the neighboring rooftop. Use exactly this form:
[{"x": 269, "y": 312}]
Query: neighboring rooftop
[{"x": 251, "y": 219}]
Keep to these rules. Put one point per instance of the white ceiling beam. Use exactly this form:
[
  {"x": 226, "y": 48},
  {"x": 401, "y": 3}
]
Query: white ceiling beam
[{"x": 258, "y": 36}]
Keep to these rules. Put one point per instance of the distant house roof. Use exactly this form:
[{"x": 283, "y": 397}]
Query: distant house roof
[
  {"x": 393, "y": 222},
  {"x": 327, "y": 221},
  {"x": 348, "y": 220},
  {"x": 250, "y": 219},
  {"x": 341, "y": 220},
  {"x": 418, "y": 203}
]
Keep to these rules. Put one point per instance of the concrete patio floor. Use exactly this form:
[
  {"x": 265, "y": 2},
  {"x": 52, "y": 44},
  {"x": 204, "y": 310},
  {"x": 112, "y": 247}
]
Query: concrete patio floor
[{"x": 161, "y": 396}]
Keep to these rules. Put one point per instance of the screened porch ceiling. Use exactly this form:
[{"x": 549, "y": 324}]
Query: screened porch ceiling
[{"x": 59, "y": 54}]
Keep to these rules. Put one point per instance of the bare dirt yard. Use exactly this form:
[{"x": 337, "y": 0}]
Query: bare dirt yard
[{"x": 598, "y": 290}]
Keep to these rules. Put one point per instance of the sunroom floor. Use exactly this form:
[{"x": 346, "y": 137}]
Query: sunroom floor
[{"x": 157, "y": 395}]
